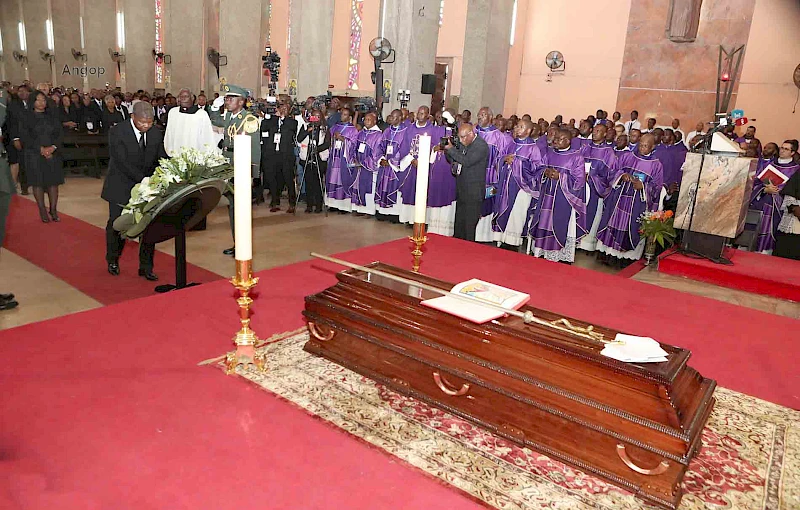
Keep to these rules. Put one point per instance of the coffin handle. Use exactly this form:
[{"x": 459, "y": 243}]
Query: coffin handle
[
  {"x": 662, "y": 466},
  {"x": 315, "y": 332},
  {"x": 446, "y": 387}
]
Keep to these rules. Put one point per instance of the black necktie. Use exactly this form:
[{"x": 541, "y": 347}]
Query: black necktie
[{"x": 141, "y": 142}]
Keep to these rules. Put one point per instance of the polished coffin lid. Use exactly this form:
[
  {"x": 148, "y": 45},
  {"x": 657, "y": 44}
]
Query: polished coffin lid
[{"x": 659, "y": 406}]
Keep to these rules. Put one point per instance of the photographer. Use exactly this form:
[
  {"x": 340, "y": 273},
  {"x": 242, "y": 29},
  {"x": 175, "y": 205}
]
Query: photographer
[
  {"x": 314, "y": 159},
  {"x": 278, "y": 136},
  {"x": 470, "y": 171}
]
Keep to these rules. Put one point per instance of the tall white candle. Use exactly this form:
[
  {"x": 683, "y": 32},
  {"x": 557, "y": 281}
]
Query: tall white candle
[
  {"x": 423, "y": 162},
  {"x": 242, "y": 198}
]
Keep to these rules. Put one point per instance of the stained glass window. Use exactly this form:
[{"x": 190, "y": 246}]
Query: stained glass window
[
  {"x": 356, "y": 10},
  {"x": 159, "y": 43}
]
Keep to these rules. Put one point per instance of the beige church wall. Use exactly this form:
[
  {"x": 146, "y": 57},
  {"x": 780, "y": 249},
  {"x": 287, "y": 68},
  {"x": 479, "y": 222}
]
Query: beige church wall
[
  {"x": 240, "y": 41},
  {"x": 766, "y": 91},
  {"x": 592, "y": 75},
  {"x": 140, "y": 35},
  {"x": 450, "y": 45},
  {"x": 667, "y": 80},
  {"x": 279, "y": 39}
]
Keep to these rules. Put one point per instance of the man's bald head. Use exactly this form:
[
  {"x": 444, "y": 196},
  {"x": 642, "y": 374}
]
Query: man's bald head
[
  {"x": 646, "y": 144},
  {"x": 466, "y": 133}
]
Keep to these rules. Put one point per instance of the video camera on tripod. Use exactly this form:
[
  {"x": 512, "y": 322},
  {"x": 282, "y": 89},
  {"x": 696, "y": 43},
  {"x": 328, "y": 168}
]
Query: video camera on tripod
[{"x": 450, "y": 122}]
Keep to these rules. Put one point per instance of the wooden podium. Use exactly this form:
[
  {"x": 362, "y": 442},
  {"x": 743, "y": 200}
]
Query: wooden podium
[
  {"x": 722, "y": 198},
  {"x": 636, "y": 425}
]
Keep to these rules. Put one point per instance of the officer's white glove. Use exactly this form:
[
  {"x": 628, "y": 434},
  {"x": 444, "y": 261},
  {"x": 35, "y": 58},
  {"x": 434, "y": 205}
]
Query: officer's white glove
[{"x": 217, "y": 104}]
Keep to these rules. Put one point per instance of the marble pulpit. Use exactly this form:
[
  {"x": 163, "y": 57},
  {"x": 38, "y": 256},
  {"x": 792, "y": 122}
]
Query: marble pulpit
[{"x": 723, "y": 194}]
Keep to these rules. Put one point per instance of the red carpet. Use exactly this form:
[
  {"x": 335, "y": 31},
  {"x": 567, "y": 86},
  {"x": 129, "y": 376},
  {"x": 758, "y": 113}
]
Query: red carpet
[
  {"x": 632, "y": 270},
  {"x": 751, "y": 272},
  {"x": 107, "y": 408},
  {"x": 61, "y": 249}
]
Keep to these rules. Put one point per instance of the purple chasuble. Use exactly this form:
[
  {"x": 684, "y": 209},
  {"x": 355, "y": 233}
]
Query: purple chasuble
[
  {"x": 549, "y": 226},
  {"x": 674, "y": 174},
  {"x": 603, "y": 161},
  {"x": 619, "y": 227},
  {"x": 769, "y": 205},
  {"x": 393, "y": 148},
  {"x": 367, "y": 152},
  {"x": 441, "y": 181},
  {"x": 521, "y": 175},
  {"x": 340, "y": 161},
  {"x": 498, "y": 143},
  {"x": 408, "y": 182}
]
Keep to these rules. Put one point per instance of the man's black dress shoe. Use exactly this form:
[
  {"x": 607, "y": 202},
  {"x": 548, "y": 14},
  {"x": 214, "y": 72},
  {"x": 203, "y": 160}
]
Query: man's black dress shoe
[
  {"x": 113, "y": 269},
  {"x": 8, "y": 305},
  {"x": 6, "y": 297},
  {"x": 230, "y": 251},
  {"x": 148, "y": 274}
]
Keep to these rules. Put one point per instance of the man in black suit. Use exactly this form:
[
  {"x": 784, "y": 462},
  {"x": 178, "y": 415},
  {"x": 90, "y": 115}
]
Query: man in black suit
[
  {"x": 134, "y": 150},
  {"x": 278, "y": 164},
  {"x": 470, "y": 170},
  {"x": 18, "y": 110}
]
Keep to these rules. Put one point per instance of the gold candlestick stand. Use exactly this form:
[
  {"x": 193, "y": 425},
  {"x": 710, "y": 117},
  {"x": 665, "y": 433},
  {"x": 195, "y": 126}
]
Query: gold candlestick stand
[
  {"x": 246, "y": 338},
  {"x": 418, "y": 238}
]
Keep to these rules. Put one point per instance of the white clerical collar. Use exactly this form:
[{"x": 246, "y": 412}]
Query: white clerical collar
[
  {"x": 785, "y": 161},
  {"x": 374, "y": 128},
  {"x": 422, "y": 126}
]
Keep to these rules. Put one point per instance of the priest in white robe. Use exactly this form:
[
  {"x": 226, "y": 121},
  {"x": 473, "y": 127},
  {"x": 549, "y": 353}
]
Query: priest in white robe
[{"x": 188, "y": 127}]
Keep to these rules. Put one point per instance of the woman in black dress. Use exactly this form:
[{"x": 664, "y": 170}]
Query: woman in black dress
[
  {"x": 41, "y": 141},
  {"x": 68, "y": 116},
  {"x": 110, "y": 116}
]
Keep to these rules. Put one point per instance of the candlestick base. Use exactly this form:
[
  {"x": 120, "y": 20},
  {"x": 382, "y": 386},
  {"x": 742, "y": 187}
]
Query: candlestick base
[
  {"x": 245, "y": 339},
  {"x": 418, "y": 238}
]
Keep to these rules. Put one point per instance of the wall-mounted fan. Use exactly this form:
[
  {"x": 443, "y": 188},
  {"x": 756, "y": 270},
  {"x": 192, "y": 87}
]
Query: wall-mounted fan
[
  {"x": 79, "y": 56},
  {"x": 162, "y": 58},
  {"x": 46, "y": 55},
  {"x": 797, "y": 76},
  {"x": 555, "y": 61},
  {"x": 216, "y": 59},
  {"x": 20, "y": 57}
]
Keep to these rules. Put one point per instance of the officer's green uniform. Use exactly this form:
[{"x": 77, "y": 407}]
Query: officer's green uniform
[
  {"x": 7, "y": 187},
  {"x": 243, "y": 122}
]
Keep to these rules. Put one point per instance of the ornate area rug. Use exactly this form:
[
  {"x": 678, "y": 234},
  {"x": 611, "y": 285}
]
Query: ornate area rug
[{"x": 750, "y": 458}]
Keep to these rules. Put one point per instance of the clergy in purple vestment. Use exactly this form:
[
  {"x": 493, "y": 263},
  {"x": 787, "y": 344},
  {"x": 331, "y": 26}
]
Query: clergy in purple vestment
[
  {"x": 498, "y": 143},
  {"x": 393, "y": 148},
  {"x": 600, "y": 161},
  {"x": 519, "y": 175},
  {"x": 441, "y": 212},
  {"x": 408, "y": 182},
  {"x": 367, "y": 154},
  {"x": 559, "y": 219},
  {"x": 341, "y": 163},
  {"x": 766, "y": 195},
  {"x": 636, "y": 187}
]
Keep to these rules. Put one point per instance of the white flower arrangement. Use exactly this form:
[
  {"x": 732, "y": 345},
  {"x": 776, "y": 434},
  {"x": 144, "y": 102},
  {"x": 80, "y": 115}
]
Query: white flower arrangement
[{"x": 186, "y": 168}]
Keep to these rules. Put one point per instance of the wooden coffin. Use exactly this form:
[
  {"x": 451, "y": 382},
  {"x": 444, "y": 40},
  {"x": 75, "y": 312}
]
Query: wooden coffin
[{"x": 636, "y": 425}]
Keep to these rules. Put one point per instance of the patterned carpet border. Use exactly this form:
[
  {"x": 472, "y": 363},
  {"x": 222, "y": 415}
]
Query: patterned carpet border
[{"x": 750, "y": 458}]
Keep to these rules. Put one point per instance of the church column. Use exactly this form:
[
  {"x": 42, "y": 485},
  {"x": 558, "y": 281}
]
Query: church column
[
  {"x": 310, "y": 45},
  {"x": 412, "y": 27},
  {"x": 486, "y": 50},
  {"x": 240, "y": 41}
]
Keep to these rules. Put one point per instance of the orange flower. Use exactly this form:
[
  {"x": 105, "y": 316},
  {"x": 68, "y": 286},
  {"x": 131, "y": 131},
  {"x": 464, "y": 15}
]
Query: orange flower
[{"x": 668, "y": 214}]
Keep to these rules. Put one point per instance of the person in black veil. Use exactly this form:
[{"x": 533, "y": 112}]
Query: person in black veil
[{"x": 41, "y": 142}]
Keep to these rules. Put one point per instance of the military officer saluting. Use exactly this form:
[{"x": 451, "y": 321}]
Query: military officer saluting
[{"x": 235, "y": 120}]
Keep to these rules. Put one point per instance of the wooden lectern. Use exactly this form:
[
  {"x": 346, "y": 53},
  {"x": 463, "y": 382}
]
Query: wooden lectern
[
  {"x": 636, "y": 425},
  {"x": 721, "y": 202}
]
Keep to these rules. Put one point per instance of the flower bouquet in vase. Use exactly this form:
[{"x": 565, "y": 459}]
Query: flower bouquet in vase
[
  {"x": 189, "y": 167},
  {"x": 656, "y": 227}
]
